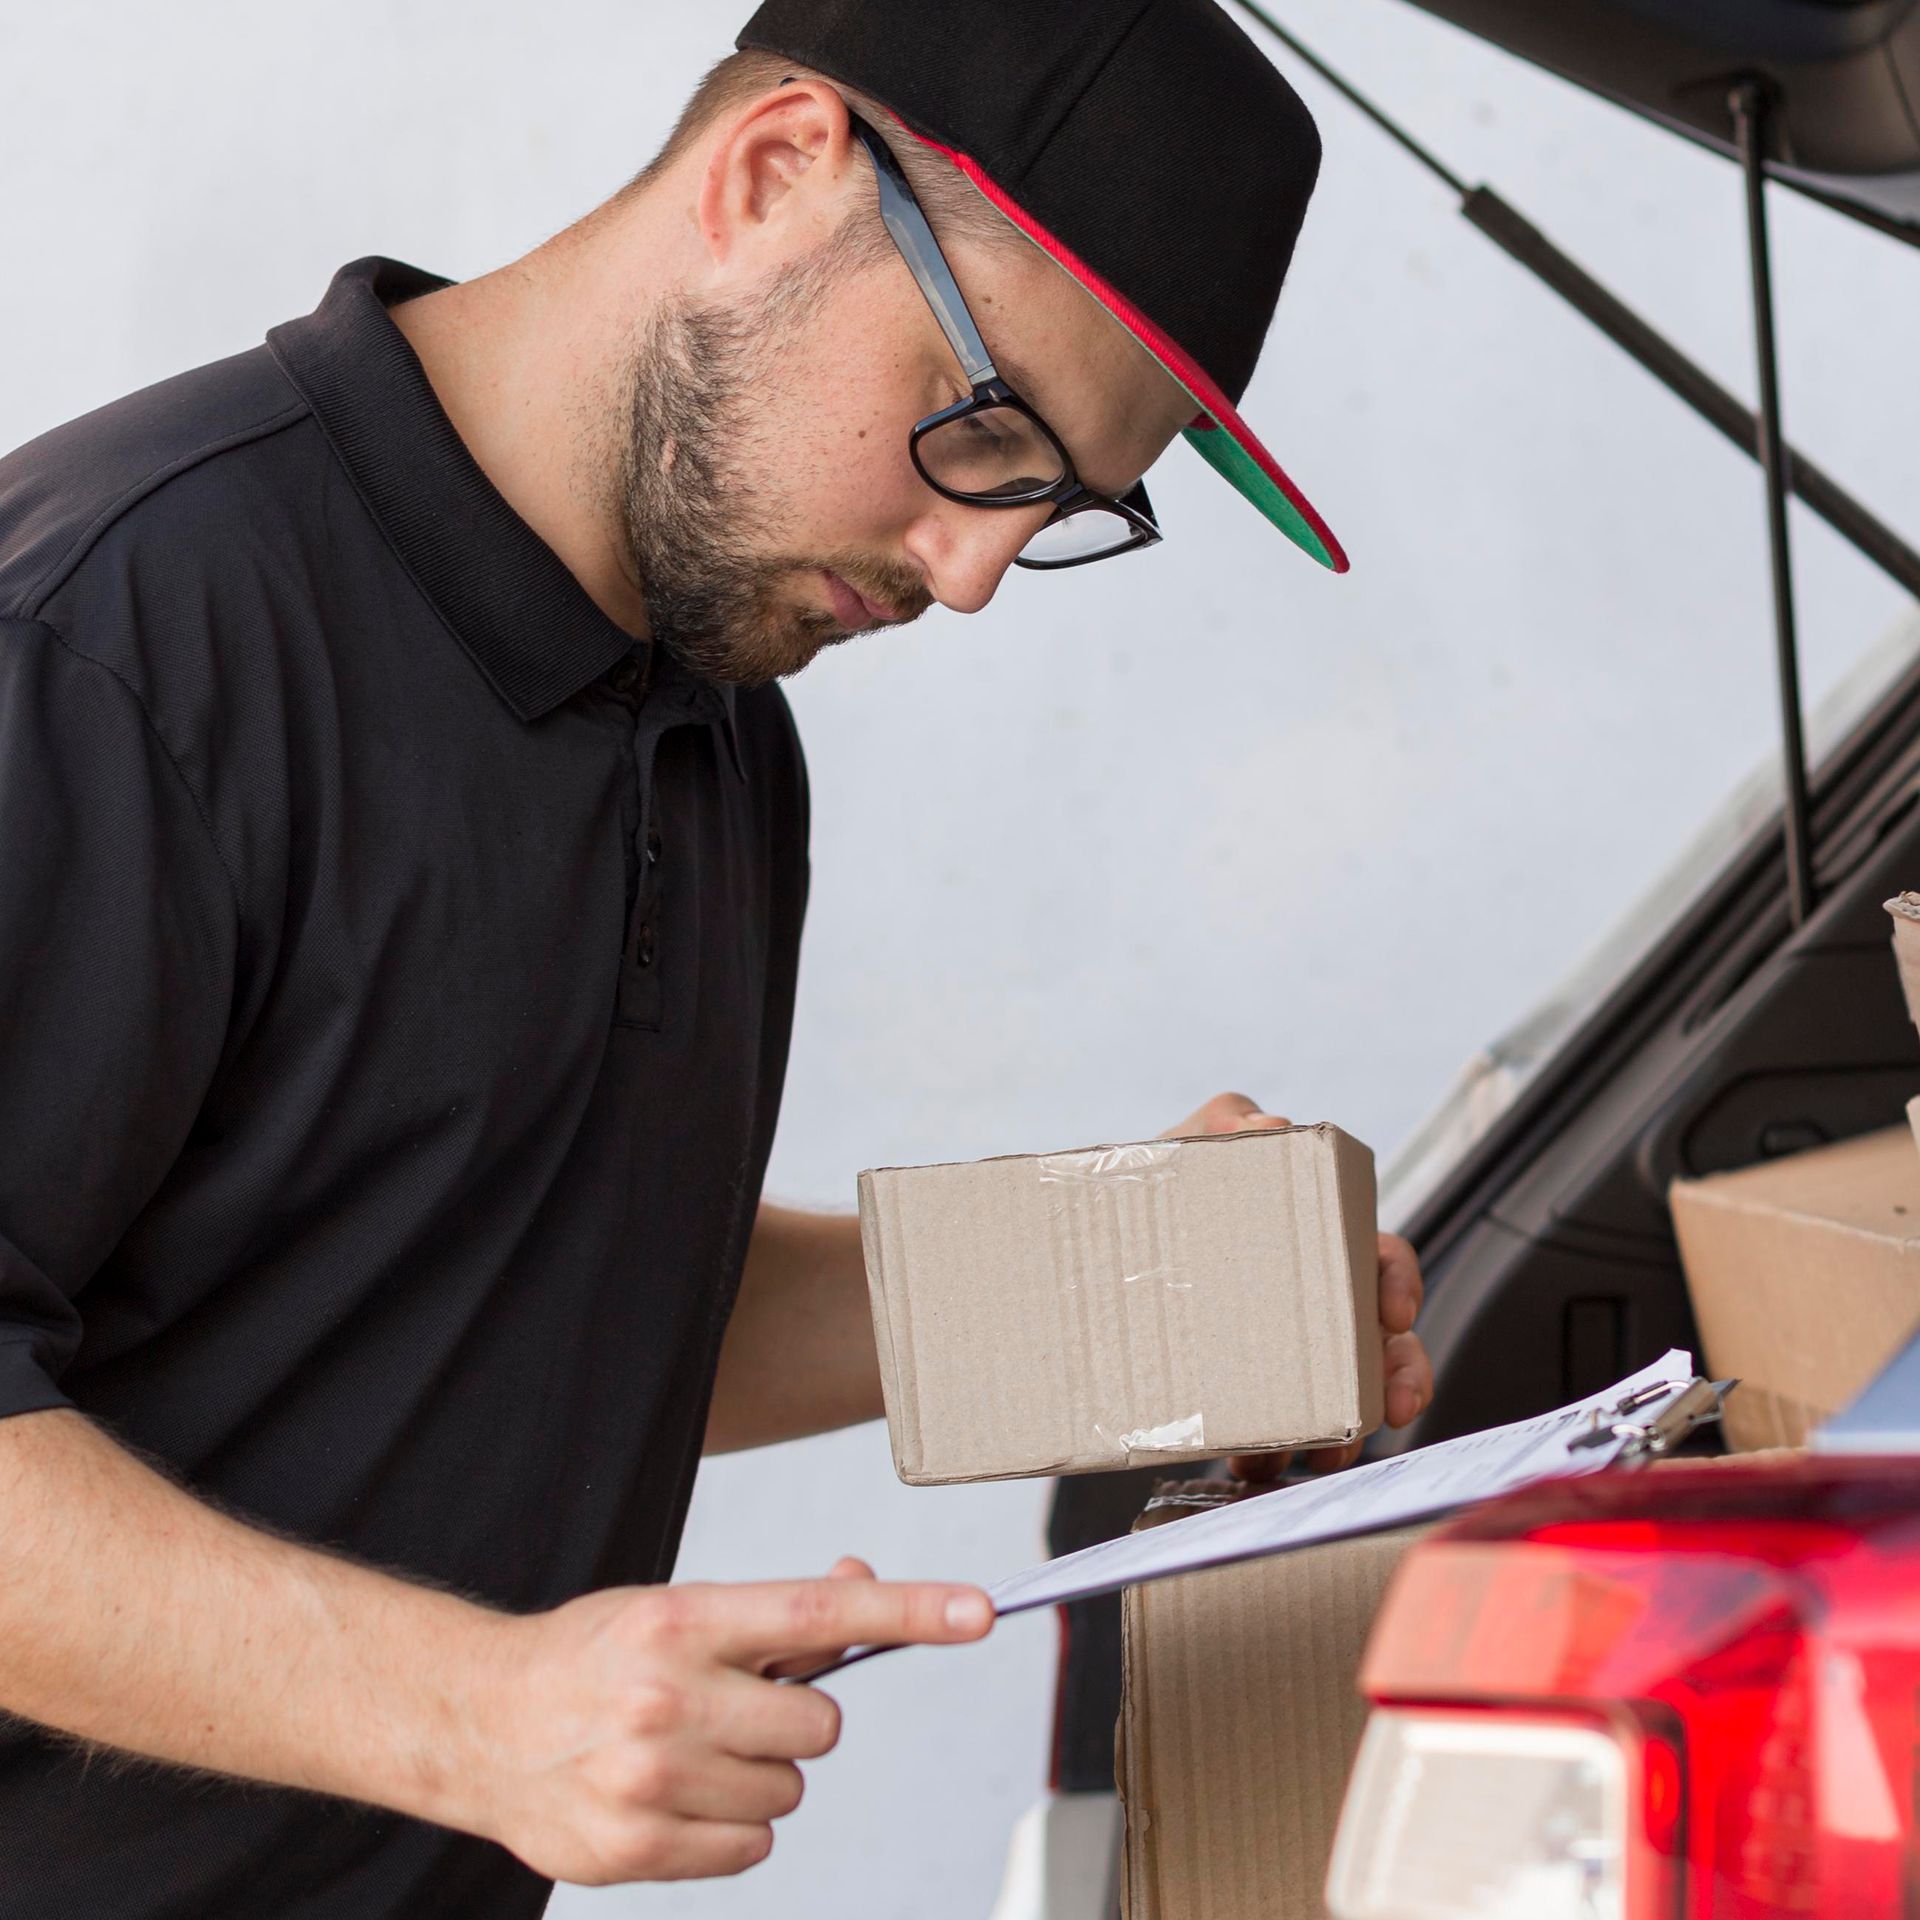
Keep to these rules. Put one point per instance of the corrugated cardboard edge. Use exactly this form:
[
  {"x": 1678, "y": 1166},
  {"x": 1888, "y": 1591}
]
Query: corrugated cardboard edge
[
  {"x": 902, "y": 1406},
  {"x": 1359, "y": 1220},
  {"x": 1114, "y": 1146}
]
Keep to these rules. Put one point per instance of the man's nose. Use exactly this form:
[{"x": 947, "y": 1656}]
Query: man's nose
[{"x": 965, "y": 551}]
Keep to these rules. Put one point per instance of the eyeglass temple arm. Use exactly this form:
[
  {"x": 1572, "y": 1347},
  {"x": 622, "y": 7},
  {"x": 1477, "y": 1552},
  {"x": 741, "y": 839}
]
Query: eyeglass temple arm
[{"x": 914, "y": 237}]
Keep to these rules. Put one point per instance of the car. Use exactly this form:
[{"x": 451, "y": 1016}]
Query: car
[{"x": 1746, "y": 1008}]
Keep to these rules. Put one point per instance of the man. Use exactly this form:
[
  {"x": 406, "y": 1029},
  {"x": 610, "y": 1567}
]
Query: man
[{"x": 402, "y": 858}]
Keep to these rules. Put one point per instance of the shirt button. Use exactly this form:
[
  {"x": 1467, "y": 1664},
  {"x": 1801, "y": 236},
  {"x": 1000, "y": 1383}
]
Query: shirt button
[
  {"x": 653, "y": 849},
  {"x": 643, "y": 947},
  {"x": 625, "y": 677}
]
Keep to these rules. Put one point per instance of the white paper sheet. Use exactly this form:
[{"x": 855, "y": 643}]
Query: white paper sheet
[{"x": 1368, "y": 1499}]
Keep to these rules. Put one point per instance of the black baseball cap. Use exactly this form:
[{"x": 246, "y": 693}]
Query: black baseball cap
[{"x": 1147, "y": 146}]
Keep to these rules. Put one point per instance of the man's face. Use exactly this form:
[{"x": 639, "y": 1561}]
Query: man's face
[{"x": 771, "y": 504}]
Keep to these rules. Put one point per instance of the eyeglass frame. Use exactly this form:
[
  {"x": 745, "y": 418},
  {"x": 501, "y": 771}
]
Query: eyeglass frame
[{"x": 913, "y": 234}]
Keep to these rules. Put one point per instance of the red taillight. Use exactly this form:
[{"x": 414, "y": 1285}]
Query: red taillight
[{"x": 1749, "y": 1634}]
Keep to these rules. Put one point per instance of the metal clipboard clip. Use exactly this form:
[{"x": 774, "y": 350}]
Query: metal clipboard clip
[{"x": 1691, "y": 1407}]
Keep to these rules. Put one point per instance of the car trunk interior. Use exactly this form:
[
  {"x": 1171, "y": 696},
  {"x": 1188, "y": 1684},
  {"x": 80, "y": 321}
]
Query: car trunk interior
[{"x": 1766, "y": 1018}]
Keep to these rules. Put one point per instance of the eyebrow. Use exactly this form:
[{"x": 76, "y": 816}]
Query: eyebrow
[
  {"x": 1020, "y": 378},
  {"x": 1017, "y": 374}
]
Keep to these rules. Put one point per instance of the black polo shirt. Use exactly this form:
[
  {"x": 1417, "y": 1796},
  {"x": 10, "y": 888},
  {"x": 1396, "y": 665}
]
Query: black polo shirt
[{"x": 396, "y": 968}]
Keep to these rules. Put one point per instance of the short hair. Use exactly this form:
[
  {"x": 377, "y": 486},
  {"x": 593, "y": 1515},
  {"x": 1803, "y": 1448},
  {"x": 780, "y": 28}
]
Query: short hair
[{"x": 958, "y": 210}]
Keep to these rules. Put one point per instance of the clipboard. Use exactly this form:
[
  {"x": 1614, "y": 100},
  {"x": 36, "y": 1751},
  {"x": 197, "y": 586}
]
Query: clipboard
[{"x": 1636, "y": 1419}]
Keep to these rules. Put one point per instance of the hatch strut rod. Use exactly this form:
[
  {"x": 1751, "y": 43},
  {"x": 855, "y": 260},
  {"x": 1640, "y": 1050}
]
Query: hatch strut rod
[
  {"x": 1787, "y": 469},
  {"x": 1749, "y": 104},
  {"x": 1517, "y": 236}
]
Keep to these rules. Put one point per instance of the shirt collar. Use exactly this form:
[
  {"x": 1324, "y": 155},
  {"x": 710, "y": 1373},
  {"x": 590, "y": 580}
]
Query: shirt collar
[{"x": 528, "y": 624}]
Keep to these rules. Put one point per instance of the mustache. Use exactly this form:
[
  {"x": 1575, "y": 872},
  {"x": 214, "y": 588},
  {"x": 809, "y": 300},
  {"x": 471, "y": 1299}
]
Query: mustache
[{"x": 886, "y": 583}]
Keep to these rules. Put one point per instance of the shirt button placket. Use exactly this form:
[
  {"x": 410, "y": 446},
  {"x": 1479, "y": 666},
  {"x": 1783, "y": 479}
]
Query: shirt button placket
[
  {"x": 641, "y": 999},
  {"x": 650, "y": 898}
]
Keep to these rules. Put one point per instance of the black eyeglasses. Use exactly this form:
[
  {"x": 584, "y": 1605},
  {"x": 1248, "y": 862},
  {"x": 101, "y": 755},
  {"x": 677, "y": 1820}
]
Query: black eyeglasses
[{"x": 991, "y": 449}]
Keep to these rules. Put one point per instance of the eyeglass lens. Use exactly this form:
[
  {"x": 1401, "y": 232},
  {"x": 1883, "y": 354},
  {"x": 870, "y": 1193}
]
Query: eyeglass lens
[
  {"x": 991, "y": 453},
  {"x": 1081, "y": 536}
]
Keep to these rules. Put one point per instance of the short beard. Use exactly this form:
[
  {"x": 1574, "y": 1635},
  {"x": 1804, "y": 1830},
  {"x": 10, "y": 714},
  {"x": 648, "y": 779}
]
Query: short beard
[{"x": 712, "y": 594}]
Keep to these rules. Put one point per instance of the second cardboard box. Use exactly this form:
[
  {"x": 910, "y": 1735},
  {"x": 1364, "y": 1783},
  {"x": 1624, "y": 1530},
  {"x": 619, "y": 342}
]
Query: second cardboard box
[
  {"x": 1239, "y": 1722},
  {"x": 1805, "y": 1278}
]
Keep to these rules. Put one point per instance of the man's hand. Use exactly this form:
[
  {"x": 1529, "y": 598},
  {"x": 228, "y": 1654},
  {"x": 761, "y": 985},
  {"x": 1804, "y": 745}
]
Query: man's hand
[
  {"x": 647, "y": 1735},
  {"x": 1407, "y": 1371},
  {"x": 635, "y": 1734}
]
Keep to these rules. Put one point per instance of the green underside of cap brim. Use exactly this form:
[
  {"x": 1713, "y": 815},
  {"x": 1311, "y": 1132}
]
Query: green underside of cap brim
[{"x": 1234, "y": 464}]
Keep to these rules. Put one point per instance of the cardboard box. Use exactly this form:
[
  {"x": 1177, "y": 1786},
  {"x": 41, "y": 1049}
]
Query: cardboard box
[
  {"x": 1122, "y": 1306},
  {"x": 1240, "y": 1718},
  {"x": 1805, "y": 1276}
]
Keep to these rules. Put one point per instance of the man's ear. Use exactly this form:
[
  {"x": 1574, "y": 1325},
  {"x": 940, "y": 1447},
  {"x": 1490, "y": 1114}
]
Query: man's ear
[{"x": 774, "y": 179}]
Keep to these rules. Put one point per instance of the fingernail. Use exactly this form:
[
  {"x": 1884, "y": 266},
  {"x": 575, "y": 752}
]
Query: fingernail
[{"x": 968, "y": 1613}]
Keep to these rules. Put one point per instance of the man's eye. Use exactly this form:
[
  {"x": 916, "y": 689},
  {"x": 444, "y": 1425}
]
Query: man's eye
[{"x": 986, "y": 429}]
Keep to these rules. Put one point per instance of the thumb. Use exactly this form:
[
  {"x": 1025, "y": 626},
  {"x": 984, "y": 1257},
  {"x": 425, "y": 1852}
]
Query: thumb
[{"x": 1226, "y": 1113}]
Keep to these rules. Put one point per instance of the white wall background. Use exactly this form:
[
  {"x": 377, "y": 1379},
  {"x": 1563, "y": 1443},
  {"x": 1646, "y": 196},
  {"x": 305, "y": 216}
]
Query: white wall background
[{"x": 1204, "y": 819}]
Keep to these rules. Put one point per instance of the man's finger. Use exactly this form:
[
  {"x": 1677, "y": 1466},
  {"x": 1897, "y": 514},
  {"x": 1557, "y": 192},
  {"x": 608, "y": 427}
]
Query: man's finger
[
  {"x": 803, "y": 1665},
  {"x": 745, "y": 1626},
  {"x": 1409, "y": 1375},
  {"x": 756, "y": 1719},
  {"x": 1333, "y": 1459},
  {"x": 680, "y": 1849},
  {"x": 1402, "y": 1290},
  {"x": 1226, "y": 1113},
  {"x": 843, "y": 1569},
  {"x": 699, "y": 1784}
]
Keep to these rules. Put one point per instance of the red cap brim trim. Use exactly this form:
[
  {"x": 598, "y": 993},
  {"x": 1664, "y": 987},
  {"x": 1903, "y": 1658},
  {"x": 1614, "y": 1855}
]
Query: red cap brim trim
[{"x": 1219, "y": 410}]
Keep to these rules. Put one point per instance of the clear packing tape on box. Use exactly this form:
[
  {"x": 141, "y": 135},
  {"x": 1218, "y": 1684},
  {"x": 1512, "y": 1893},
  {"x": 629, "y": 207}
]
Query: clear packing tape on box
[{"x": 1123, "y": 1199}]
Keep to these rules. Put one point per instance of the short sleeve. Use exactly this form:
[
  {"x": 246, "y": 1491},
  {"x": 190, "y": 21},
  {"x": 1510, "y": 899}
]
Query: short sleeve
[{"x": 118, "y": 928}]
